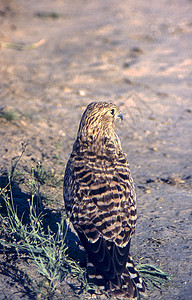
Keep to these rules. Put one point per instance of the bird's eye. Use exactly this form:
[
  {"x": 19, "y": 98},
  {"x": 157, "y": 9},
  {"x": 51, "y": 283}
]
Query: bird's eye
[{"x": 112, "y": 112}]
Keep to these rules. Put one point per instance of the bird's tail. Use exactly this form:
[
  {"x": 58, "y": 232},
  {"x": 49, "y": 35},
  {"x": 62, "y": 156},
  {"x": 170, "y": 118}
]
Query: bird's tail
[{"x": 131, "y": 282}]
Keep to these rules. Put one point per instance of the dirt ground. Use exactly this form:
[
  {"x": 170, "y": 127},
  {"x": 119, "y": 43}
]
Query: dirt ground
[{"x": 136, "y": 54}]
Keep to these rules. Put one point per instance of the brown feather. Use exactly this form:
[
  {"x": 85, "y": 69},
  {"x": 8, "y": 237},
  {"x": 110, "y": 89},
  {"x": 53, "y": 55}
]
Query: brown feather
[{"x": 100, "y": 197}]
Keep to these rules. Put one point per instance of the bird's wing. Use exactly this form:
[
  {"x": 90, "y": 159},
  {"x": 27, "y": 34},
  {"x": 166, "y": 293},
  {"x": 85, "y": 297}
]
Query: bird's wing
[
  {"x": 102, "y": 206},
  {"x": 106, "y": 256}
]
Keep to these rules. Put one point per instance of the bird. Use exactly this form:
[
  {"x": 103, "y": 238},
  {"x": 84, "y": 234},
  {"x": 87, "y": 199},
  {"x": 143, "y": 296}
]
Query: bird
[{"x": 100, "y": 201}]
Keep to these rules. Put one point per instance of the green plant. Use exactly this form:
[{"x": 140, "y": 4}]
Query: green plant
[
  {"x": 9, "y": 115},
  {"x": 46, "y": 249},
  {"x": 44, "y": 176},
  {"x": 154, "y": 277}
]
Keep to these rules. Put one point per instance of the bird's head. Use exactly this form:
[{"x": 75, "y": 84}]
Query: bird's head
[{"x": 98, "y": 120}]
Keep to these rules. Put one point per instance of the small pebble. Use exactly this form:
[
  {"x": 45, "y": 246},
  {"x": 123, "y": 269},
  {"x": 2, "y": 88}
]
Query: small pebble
[
  {"x": 147, "y": 191},
  {"x": 82, "y": 93},
  {"x": 153, "y": 149},
  {"x": 159, "y": 199}
]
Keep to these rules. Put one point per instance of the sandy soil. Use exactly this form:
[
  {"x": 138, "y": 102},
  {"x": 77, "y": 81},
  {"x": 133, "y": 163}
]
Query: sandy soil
[{"x": 134, "y": 53}]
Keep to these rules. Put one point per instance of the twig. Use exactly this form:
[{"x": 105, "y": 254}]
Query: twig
[{"x": 22, "y": 47}]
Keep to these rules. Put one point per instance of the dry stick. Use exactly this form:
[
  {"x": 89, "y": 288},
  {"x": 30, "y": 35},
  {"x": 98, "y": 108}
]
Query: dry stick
[
  {"x": 14, "y": 165},
  {"x": 22, "y": 47}
]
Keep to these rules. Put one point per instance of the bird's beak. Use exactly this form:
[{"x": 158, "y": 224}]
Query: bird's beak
[{"x": 120, "y": 116}]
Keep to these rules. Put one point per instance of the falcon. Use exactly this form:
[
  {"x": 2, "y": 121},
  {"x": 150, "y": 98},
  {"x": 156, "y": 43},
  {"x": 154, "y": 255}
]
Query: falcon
[{"x": 100, "y": 201}]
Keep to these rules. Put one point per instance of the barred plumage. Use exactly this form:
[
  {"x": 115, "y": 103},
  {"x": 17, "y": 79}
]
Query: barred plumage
[{"x": 100, "y": 199}]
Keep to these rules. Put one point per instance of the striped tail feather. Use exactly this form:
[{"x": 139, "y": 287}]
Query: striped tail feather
[
  {"x": 95, "y": 277},
  {"x": 131, "y": 282},
  {"x": 133, "y": 273}
]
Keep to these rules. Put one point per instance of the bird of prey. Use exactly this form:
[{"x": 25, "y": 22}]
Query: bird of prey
[{"x": 100, "y": 200}]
